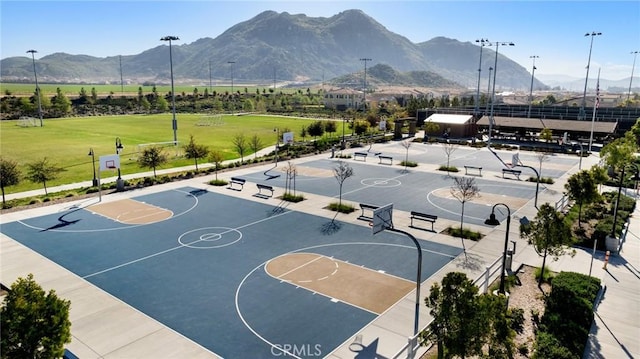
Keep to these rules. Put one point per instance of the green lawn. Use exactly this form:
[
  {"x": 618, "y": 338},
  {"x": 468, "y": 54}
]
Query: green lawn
[{"x": 67, "y": 141}]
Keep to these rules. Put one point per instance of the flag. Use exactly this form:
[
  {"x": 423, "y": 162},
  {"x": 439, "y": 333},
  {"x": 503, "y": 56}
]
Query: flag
[{"x": 598, "y": 93}]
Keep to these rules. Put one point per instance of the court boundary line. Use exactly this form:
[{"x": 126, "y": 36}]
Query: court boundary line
[{"x": 174, "y": 248}]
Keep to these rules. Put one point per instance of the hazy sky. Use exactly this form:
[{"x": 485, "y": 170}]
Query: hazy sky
[{"x": 553, "y": 30}]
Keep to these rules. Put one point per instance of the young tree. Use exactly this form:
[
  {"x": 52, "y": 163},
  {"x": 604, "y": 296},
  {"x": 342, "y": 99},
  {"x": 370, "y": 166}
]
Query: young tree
[
  {"x": 42, "y": 171},
  {"x": 542, "y": 157},
  {"x": 316, "y": 129},
  {"x": 620, "y": 152},
  {"x": 34, "y": 324},
  {"x": 548, "y": 234},
  {"x": 599, "y": 175},
  {"x": 152, "y": 157},
  {"x": 330, "y": 127},
  {"x": 303, "y": 132},
  {"x": 216, "y": 158},
  {"x": 255, "y": 144},
  {"x": 406, "y": 144},
  {"x": 458, "y": 326},
  {"x": 464, "y": 189},
  {"x": 61, "y": 104},
  {"x": 9, "y": 174},
  {"x": 582, "y": 188},
  {"x": 240, "y": 143},
  {"x": 546, "y": 134},
  {"x": 341, "y": 173},
  {"x": 195, "y": 151},
  {"x": 449, "y": 149}
]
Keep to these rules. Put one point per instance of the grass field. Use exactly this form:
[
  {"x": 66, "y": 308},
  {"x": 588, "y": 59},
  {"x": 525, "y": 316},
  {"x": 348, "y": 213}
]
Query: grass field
[
  {"x": 66, "y": 142},
  {"x": 72, "y": 90}
]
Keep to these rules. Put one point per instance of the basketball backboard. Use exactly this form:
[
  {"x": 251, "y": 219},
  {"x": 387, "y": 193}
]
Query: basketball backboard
[
  {"x": 382, "y": 218},
  {"x": 109, "y": 162}
]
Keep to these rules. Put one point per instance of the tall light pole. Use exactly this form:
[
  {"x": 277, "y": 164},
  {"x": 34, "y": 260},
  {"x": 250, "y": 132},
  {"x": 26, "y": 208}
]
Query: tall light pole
[
  {"x": 477, "y": 105},
  {"x": 93, "y": 161},
  {"x": 35, "y": 74},
  {"x": 364, "y": 87},
  {"x": 615, "y": 208},
  {"x": 493, "y": 92},
  {"x": 121, "y": 80},
  {"x": 173, "y": 92},
  {"x": 210, "y": 88},
  {"x": 488, "y": 89},
  {"x": 635, "y": 54},
  {"x": 231, "y": 63},
  {"x": 533, "y": 71},
  {"x": 494, "y": 222},
  {"x": 581, "y": 115}
]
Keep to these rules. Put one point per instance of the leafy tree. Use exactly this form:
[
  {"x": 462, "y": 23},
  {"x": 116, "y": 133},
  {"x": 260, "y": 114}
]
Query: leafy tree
[
  {"x": 599, "y": 174},
  {"x": 406, "y": 144},
  {"x": 635, "y": 130},
  {"x": 61, "y": 104},
  {"x": 195, "y": 151},
  {"x": 498, "y": 330},
  {"x": 303, "y": 132},
  {"x": 241, "y": 145},
  {"x": 341, "y": 173},
  {"x": 620, "y": 152},
  {"x": 94, "y": 95},
  {"x": 34, "y": 324},
  {"x": 216, "y": 158},
  {"x": 431, "y": 128},
  {"x": 152, "y": 157},
  {"x": 549, "y": 234},
  {"x": 9, "y": 174},
  {"x": 42, "y": 171},
  {"x": 161, "y": 104},
  {"x": 542, "y": 157},
  {"x": 457, "y": 325},
  {"x": 316, "y": 129},
  {"x": 255, "y": 144},
  {"x": 546, "y": 134},
  {"x": 581, "y": 187},
  {"x": 330, "y": 127},
  {"x": 464, "y": 189},
  {"x": 360, "y": 127}
]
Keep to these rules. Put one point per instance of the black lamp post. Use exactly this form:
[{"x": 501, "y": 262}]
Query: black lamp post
[
  {"x": 35, "y": 74},
  {"x": 119, "y": 148},
  {"x": 493, "y": 92},
  {"x": 633, "y": 67},
  {"x": 493, "y": 221},
  {"x": 93, "y": 161},
  {"x": 582, "y": 114},
  {"x": 483, "y": 43},
  {"x": 173, "y": 92},
  {"x": 533, "y": 71}
]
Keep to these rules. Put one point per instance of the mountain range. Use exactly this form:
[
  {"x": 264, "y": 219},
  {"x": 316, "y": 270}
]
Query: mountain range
[{"x": 284, "y": 47}]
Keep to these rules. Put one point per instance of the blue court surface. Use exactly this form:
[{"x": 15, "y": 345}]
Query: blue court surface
[{"x": 202, "y": 272}]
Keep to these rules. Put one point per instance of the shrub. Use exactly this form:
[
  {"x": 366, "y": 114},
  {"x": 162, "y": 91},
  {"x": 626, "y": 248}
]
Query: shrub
[
  {"x": 448, "y": 169},
  {"x": 218, "y": 182},
  {"x": 546, "y": 276},
  {"x": 547, "y": 346},
  {"x": 342, "y": 208},
  {"x": 409, "y": 164},
  {"x": 516, "y": 316},
  {"x": 290, "y": 197},
  {"x": 468, "y": 234}
]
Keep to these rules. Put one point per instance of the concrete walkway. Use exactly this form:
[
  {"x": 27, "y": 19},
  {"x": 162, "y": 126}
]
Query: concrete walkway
[{"x": 105, "y": 327}]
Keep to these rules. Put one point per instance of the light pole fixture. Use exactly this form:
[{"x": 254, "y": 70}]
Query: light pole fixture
[
  {"x": 35, "y": 74},
  {"x": 635, "y": 54},
  {"x": 488, "y": 90},
  {"x": 173, "y": 92},
  {"x": 492, "y": 221},
  {"x": 119, "y": 148},
  {"x": 533, "y": 71},
  {"x": 93, "y": 161},
  {"x": 277, "y": 131},
  {"x": 483, "y": 43},
  {"x": 493, "y": 92},
  {"x": 231, "y": 63},
  {"x": 364, "y": 87},
  {"x": 582, "y": 115}
]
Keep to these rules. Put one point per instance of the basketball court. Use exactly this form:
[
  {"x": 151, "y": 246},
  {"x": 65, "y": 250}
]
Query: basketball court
[{"x": 248, "y": 278}]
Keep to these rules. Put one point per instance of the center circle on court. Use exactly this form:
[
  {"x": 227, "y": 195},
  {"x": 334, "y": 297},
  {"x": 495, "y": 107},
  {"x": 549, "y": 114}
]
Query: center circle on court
[
  {"x": 210, "y": 237},
  {"x": 381, "y": 182}
]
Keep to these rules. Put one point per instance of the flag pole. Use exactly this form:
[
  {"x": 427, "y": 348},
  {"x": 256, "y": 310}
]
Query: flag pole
[{"x": 596, "y": 104}]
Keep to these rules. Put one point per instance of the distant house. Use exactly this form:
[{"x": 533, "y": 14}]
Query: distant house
[
  {"x": 453, "y": 125},
  {"x": 342, "y": 99}
]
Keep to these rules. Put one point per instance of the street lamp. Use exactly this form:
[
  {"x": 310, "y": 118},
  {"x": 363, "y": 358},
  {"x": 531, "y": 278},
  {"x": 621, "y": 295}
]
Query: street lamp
[
  {"x": 581, "y": 115},
  {"x": 493, "y": 93},
  {"x": 635, "y": 54},
  {"x": 35, "y": 74},
  {"x": 533, "y": 71},
  {"x": 173, "y": 92},
  {"x": 483, "y": 43},
  {"x": 231, "y": 63},
  {"x": 488, "y": 90},
  {"x": 119, "y": 148},
  {"x": 493, "y": 221},
  {"x": 364, "y": 88},
  {"x": 277, "y": 131},
  {"x": 93, "y": 161}
]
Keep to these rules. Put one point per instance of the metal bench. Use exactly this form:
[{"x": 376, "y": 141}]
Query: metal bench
[
  {"x": 467, "y": 168},
  {"x": 266, "y": 188},
  {"x": 367, "y": 207},
  {"x": 512, "y": 172},
  {"x": 237, "y": 180},
  {"x": 360, "y": 154},
  {"x": 385, "y": 158},
  {"x": 423, "y": 217}
]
